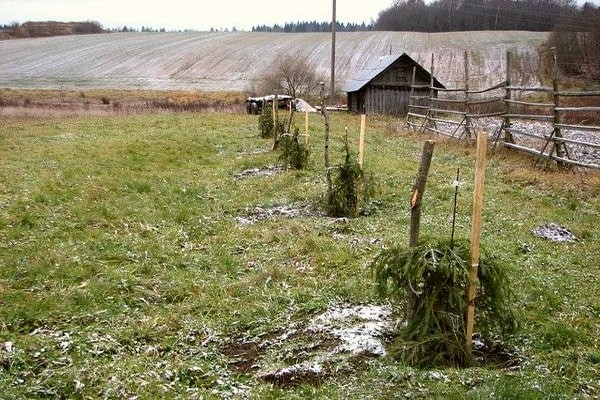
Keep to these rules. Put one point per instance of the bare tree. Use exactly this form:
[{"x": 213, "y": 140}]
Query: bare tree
[{"x": 292, "y": 75}]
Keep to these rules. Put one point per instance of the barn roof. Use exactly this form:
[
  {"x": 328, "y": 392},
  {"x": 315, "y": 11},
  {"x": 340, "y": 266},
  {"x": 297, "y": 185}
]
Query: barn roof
[{"x": 368, "y": 74}]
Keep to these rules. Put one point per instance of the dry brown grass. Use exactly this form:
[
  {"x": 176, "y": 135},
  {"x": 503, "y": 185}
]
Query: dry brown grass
[{"x": 35, "y": 103}]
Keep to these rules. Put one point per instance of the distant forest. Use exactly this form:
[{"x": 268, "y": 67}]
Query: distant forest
[
  {"x": 314, "y": 26},
  {"x": 466, "y": 15},
  {"x": 477, "y": 15}
]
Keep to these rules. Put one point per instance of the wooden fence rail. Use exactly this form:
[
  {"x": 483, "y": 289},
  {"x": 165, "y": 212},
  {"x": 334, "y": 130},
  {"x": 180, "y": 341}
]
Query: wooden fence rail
[{"x": 456, "y": 116}]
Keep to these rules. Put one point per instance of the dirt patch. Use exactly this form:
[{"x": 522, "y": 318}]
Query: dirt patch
[
  {"x": 243, "y": 355},
  {"x": 495, "y": 354},
  {"x": 296, "y": 375}
]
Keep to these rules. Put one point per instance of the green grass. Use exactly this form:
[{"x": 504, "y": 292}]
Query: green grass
[{"x": 122, "y": 267}]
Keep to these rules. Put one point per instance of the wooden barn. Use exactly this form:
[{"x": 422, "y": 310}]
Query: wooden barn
[{"x": 384, "y": 87}]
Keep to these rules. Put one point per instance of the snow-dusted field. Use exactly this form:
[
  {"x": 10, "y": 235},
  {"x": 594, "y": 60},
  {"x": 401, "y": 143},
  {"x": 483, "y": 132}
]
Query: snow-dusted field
[{"x": 233, "y": 61}]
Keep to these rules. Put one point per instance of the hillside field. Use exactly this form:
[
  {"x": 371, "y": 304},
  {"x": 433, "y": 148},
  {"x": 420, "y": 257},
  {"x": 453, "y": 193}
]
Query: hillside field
[
  {"x": 234, "y": 61},
  {"x": 164, "y": 255}
]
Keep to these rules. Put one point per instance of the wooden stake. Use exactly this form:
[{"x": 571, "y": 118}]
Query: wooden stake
[
  {"x": 415, "y": 215},
  {"x": 326, "y": 146},
  {"x": 306, "y": 129},
  {"x": 361, "y": 144},
  {"x": 417, "y": 192},
  {"x": 275, "y": 115},
  {"x": 275, "y": 106},
  {"x": 475, "y": 235}
]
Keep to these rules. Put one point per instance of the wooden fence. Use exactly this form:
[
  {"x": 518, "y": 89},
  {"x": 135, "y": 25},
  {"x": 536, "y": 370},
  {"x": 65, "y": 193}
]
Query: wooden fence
[{"x": 511, "y": 119}]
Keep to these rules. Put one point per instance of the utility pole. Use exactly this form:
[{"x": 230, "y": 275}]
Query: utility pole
[{"x": 332, "y": 88}]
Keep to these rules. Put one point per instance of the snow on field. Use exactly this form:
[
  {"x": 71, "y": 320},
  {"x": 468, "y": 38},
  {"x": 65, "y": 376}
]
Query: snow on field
[{"x": 233, "y": 61}]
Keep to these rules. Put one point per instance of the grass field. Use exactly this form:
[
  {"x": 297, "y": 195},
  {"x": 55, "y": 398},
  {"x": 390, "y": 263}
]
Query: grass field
[{"x": 126, "y": 272}]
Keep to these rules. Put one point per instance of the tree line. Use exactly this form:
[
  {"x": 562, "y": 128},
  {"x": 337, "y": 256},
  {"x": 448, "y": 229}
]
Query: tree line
[
  {"x": 464, "y": 15},
  {"x": 477, "y": 15},
  {"x": 312, "y": 26}
]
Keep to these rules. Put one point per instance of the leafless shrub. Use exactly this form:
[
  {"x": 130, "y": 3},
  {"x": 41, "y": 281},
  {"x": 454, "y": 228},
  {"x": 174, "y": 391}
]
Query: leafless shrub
[{"x": 290, "y": 74}]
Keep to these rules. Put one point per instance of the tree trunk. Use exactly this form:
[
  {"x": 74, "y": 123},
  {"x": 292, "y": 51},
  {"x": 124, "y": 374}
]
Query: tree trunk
[{"x": 415, "y": 216}]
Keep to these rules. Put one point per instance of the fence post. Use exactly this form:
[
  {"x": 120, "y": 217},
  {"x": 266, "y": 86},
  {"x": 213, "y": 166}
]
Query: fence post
[
  {"x": 506, "y": 124},
  {"x": 559, "y": 145},
  {"x": 411, "y": 100},
  {"x": 467, "y": 106},
  {"x": 432, "y": 103}
]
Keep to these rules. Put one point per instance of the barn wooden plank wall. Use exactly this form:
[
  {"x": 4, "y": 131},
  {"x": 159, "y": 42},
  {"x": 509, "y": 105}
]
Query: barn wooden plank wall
[{"x": 455, "y": 112}]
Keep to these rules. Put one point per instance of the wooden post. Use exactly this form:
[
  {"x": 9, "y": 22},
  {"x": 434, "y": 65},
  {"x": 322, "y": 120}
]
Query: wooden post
[
  {"x": 559, "y": 145},
  {"x": 332, "y": 83},
  {"x": 417, "y": 192},
  {"x": 508, "y": 137},
  {"x": 288, "y": 137},
  {"x": 411, "y": 100},
  {"x": 475, "y": 235},
  {"x": 415, "y": 214},
  {"x": 361, "y": 142},
  {"x": 275, "y": 122},
  {"x": 467, "y": 105},
  {"x": 306, "y": 129},
  {"x": 290, "y": 117},
  {"x": 432, "y": 103},
  {"x": 275, "y": 110},
  {"x": 326, "y": 145}
]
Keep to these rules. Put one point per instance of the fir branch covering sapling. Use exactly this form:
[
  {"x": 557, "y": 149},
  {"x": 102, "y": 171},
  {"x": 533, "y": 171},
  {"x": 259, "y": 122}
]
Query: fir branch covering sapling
[
  {"x": 351, "y": 187},
  {"x": 293, "y": 152},
  {"x": 437, "y": 272},
  {"x": 265, "y": 122}
]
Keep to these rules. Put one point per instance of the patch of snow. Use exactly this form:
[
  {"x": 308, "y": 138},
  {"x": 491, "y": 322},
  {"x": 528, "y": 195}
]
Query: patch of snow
[
  {"x": 268, "y": 170},
  {"x": 314, "y": 368},
  {"x": 554, "y": 232},
  {"x": 359, "y": 328},
  {"x": 8, "y": 347}
]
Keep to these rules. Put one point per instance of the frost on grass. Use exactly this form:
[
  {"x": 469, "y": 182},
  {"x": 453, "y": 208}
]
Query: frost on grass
[
  {"x": 268, "y": 170},
  {"x": 311, "y": 350},
  {"x": 253, "y": 215},
  {"x": 554, "y": 232}
]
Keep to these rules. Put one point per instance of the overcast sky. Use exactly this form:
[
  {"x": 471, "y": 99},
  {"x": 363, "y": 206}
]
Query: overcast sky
[{"x": 189, "y": 14}]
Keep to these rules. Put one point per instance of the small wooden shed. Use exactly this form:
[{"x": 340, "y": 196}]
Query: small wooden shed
[{"x": 384, "y": 87}]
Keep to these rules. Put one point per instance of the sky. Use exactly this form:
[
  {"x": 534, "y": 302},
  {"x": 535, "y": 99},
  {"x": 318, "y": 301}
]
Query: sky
[{"x": 190, "y": 14}]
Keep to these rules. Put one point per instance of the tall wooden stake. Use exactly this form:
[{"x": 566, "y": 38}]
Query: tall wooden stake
[
  {"x": 415, "y": 215},
  {"x": 332, "y": 83},
  {"x": 417, "y": 192},
  {"x": 326, "y": 145},
  {"x": 475, "y": 235},
  {"x": 361, "y": 143},
  {"x": 275, "y": 121},
  {"x": 306, "y": 129}
]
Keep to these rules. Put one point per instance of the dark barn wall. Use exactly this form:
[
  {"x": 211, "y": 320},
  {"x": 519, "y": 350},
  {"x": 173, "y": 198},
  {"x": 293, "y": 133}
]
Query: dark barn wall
[{"x": 382, "y": 99}]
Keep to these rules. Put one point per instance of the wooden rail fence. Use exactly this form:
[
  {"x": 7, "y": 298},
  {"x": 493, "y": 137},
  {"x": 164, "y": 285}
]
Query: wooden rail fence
[{"x": 457, "y": 113}]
